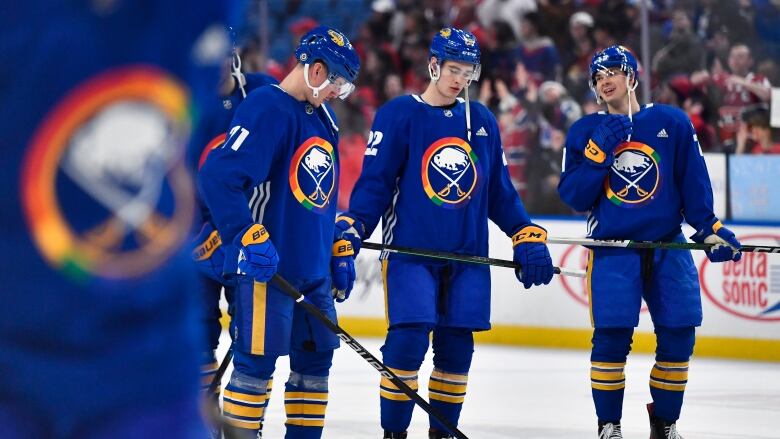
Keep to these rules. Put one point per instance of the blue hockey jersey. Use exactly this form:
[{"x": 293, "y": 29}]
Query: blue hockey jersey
[
  {"x": 432, "y": 187},
  {"x": 213, "y": 122},
  {"x": 657, "y": 179},
  {"x": 96, "y": 203},
  {"x": 278, "y": 167}
]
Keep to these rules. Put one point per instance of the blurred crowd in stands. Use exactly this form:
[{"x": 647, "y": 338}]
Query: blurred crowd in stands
[{"x": 715, "y": 59}]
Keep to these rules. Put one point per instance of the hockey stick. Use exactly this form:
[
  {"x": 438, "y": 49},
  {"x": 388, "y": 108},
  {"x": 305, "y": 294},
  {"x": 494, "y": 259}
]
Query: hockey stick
[
  {"x": 462, "y": 258},
  {"x": 220, "y": 371},
  {"x": 659, "y": 245},
  {"x": 290, "y": 290}
]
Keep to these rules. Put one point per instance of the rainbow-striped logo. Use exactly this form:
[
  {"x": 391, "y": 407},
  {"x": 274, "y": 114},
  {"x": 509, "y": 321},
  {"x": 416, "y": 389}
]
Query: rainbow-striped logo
[
  {"x": 313, "y": 174},
  {"x": 104, "y": 189},
  {"x": 635, "y": 175},
  {"x": 450, "y": 172}
]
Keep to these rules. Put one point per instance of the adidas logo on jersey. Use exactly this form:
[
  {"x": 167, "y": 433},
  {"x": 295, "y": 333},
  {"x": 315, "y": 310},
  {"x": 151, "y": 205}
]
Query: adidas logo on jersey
[
  {"x": 662, "y": 133},
  {"x": 482, "y": 132}
]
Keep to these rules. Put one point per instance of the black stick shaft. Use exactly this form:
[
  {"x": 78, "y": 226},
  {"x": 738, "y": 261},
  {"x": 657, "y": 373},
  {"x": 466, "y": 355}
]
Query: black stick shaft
[
  {"x": 290, "y": 290},
  {"x": 658, "y": 245},
  {"x": 461, "y": 258},
  {"x": 220, "y": 371}
]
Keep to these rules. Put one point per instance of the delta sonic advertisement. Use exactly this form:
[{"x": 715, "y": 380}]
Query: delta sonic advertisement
[{"x": 749, "y": 289}]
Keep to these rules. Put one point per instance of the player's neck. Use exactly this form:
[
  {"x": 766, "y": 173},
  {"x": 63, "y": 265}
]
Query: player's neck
[
  {"x": 293, "y": 85},
  {"x": 621, "y": 106},
  {"x": 433, "y": 97}
]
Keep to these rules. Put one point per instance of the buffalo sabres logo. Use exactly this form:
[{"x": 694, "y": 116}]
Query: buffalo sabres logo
[
  {"x": 446, "y": 32},
  {"x": 104, "y": 191},
  {"x": 635, "y": 175},
  {"x": 313, "y": 174},
  {"x": 450, "y": 172},
  {"x": 336, "y": 37}
]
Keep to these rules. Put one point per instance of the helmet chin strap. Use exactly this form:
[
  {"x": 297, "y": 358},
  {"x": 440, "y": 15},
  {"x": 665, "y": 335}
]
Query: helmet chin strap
[
  {"x": 434, "y": 72},
  {"x": 468, "y": 110},
  {"x": 315, "y": 91},
  {"x": 630, "y": 90},
  {"x": 235, "y": 72}
]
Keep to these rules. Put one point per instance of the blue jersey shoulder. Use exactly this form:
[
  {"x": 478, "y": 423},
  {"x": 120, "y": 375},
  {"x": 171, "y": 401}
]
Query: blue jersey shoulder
[
  {"x": 256, "y": 80},
  {"x": 259, "y": 103},
  {"x": 670, "y": 112},
  {"x": 397, "y": 107}
]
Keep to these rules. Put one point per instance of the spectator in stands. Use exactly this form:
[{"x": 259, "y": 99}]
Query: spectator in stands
[
  {"x": 755, "y": 135},
  {"x": 735, "y": 91},
  {"x": 537, "y": 51},
  {"x": 489, "y": 11},
  {"x": 576, "y": 56},
  {"x": 683, "y": 53},
  {"x": 556, "y": 106},
  {"x": 498, "y": 45}
]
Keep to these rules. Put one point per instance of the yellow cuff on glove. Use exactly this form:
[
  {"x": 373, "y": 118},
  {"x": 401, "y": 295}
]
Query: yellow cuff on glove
[
  {"x": 593, "y": 152},
  {"x": 205, "y": 249},
  {"x": 255, "y": 235},
  {"x": 530, "y": 233},
  {"x": 342, "y": 247}
]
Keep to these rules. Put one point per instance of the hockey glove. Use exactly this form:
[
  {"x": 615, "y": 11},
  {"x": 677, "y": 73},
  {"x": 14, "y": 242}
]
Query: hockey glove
[
  {"x": 342, "y": 268},
  {"x": 350, "y": 229},
  {"x": 725, "y": 246},
  {"x": 531, "y": 253},
  {"x": 207, "y": 252},
  {"x": 613, "y": 130},
  {"x": 257, "y": 256}
]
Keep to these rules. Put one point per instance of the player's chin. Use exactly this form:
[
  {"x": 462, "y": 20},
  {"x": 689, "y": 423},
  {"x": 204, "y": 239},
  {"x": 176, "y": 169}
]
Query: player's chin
[{"x": 454, "y": 91}]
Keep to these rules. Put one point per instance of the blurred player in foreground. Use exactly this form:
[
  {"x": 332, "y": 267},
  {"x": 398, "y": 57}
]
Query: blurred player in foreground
[{"x": 100, "y": 332}]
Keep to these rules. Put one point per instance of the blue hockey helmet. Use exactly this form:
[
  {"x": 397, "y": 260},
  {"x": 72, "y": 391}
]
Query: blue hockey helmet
[
  {"x": 452, "y": 44},
  {"x": 613, "y": 56},
  {"x": 332, "y": 48}
]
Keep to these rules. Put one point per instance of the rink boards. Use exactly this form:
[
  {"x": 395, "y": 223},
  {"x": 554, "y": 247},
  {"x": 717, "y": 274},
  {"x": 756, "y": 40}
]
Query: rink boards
[{"x": 741, "y": 300}]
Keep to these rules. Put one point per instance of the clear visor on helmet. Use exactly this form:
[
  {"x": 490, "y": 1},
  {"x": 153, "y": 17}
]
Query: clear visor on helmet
[
  {"x": 469, "y": 72},
  {"x": 344, "y": 87},
  {"x": 604, "y": 72}
]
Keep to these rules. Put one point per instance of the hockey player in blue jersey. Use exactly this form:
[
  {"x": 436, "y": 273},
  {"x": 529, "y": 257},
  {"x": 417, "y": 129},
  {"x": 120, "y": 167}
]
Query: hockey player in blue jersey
[
  {"x": 434, "y": 167},
  {"x": 100, "y": 333},
  {"x": 210, "y": 133},
  {"x": 272, "y": 192},
  {"x": 639, "y": 172}
]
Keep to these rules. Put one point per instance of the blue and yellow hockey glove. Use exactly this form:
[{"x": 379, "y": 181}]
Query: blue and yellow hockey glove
[
  {"x": 350, "y": 229},
  {"x": 725, "y": 246},
  {"x": 257, "y": 256},
  {"x": 536, "y": 267},
  {"x": 207, "y": 252},
  {"x": 342, "y": 268},
  {"x": 613, "y": 130}
]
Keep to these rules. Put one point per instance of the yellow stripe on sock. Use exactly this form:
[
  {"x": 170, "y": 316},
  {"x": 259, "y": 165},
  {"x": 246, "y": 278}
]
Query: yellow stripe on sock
[
  {"x": 245, "y": 397},
  {"x": 243, "y": 410},
  {"x": 603, "y": 386},
  {"x": 242, "y": 424},
  {"x": 306, "y": 422},
  {"x": 607, "y": 376},
  {"x": 433, "y": 395},
  {"x": 305, "y": 409},
  {"x": 667, "y": 386}
]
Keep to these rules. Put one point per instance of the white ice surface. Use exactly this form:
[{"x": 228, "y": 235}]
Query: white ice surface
[{"x": 545, "y": 394}]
